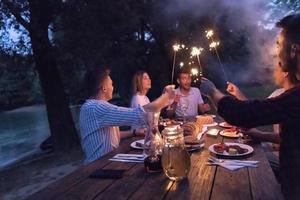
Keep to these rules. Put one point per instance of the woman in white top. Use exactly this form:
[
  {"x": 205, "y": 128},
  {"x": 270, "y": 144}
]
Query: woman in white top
[{"x": 141, "y": 84}]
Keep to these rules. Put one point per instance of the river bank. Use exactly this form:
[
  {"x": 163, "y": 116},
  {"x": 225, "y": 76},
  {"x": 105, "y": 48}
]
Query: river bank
[{"x": 34, "y": 173}]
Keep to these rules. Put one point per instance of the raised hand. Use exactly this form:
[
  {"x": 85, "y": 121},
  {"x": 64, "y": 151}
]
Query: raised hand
[
  {"x": 207, "y": 87},
  {"x": 235, "y": 91}
]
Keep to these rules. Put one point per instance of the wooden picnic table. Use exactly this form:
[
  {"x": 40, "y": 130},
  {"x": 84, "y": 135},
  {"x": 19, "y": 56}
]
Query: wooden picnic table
[{"x": 203, "y": 182}]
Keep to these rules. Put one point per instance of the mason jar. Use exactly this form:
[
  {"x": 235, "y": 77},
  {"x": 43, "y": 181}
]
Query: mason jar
[{"x": 175, "y": 159}]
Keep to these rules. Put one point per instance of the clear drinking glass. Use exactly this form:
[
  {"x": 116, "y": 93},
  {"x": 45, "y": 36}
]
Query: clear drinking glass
[
  {"x": 152, "y": 141},
  {"x": 171, "y": 90},
  {"x": 184, "y": 105}
]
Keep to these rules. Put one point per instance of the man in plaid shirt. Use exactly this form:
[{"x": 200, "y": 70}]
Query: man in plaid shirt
[{"x": 283, "y": 110}]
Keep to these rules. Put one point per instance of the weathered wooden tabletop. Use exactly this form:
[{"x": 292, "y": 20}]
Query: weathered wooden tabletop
[{"x": 203, "y": 182}]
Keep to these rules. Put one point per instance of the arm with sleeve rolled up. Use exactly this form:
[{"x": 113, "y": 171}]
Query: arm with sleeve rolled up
[{"x": 252, "y": 113}]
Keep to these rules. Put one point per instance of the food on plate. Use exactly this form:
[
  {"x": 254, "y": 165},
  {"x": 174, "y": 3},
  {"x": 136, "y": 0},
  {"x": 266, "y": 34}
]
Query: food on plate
[
  {"x": 201, "y": 120},
  {"x": 239, "y": 149},
  {"x": 194, "y": 128},
  {"x": 230, "y": 132},
  {"x": 219, "y": 148},
  {"x": 139, "y": 144},
  {"x": 190, "y": 128},
  {"x": 232, "y": 151}
]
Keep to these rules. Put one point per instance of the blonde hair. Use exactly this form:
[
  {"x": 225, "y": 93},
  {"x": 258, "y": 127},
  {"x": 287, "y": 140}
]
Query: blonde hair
[{"x": 137, "y": 82}]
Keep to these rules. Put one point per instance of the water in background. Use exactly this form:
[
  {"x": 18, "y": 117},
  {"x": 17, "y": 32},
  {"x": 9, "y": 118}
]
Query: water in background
[{"x": 22, "y": 130}]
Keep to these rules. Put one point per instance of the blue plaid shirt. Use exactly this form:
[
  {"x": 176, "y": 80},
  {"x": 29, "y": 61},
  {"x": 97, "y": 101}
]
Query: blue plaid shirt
[{"x": 98, "y": 126}]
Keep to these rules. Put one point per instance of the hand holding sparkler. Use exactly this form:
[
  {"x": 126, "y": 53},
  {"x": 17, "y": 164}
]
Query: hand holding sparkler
[{"x": 235, "y": 91}]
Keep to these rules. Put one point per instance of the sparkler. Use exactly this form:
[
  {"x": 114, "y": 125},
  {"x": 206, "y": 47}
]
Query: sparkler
[
  {"x": 196, "y": 52},
  {"x": 214, "y": 45},
  {"x": 181, "y": 64},
  {"x": 209, "y": 34},
  {"x": 176, "y": 48},
  {"x": 194, "y": 72}
]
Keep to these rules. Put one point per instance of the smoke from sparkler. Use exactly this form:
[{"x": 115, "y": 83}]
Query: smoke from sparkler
[{"x": 256, "y": 19}]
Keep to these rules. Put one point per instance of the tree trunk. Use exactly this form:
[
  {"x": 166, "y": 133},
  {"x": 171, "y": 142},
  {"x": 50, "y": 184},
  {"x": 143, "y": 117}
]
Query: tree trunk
[{"x": 63, "y": 132}]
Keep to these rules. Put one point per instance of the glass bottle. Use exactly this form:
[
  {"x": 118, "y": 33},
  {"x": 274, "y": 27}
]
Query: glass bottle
[
  {"x": 175, "y": 159},
  {"x": 153, "y": 144}
]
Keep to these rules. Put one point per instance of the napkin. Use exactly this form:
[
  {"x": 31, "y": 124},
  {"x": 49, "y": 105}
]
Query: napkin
[
  {"x": 233, "y": 164},
  {"x": 230, "y": 166},
  {"x": 128, "y": 158}
]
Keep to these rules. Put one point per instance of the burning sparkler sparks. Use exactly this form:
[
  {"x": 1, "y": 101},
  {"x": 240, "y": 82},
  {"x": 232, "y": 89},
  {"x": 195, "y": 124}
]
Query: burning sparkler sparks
[
  {"x": 176, "y": 48},
  {"x": 213, "y": 46},
  {"x": 194, "y": 72},
  {"x": 181, "y": 64},
  {"x": 209, "y": 34},
  {"x": 196, "y": 52}
]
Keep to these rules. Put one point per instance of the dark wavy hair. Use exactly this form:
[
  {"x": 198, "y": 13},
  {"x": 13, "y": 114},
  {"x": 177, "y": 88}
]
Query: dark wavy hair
[{"x": 291, "y": 32}]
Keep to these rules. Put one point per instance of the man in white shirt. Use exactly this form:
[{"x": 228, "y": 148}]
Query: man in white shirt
[{"x": 188, "y": 101}]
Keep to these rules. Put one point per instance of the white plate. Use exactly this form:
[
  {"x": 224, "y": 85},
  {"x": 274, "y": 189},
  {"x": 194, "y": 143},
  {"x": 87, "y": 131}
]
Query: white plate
[
  {"x": 250, "y": 149},
  {"x": 191, "y": 149},
  {"x": 133, "y": 144},
  {"x": 211, "y": 115},
  {"x": 225, "y": 125},
  {"x": 229, "y": 134}
]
